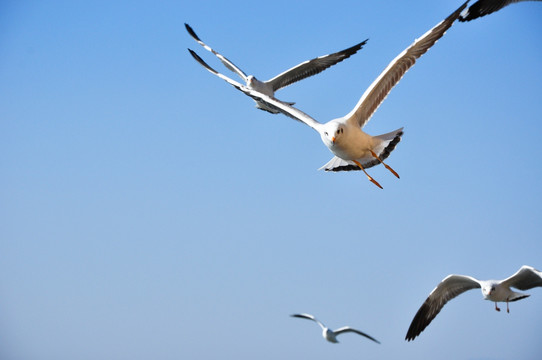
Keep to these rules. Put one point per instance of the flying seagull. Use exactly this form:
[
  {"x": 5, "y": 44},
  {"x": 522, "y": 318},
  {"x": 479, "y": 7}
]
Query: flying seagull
[
  {"x": 290, "y": 76},
  {"x": 525, "y": 278},
  {"x": 485, "y": 7},
  {"x": 331, "y": 335},
  {"x": 353, "y": 148}
]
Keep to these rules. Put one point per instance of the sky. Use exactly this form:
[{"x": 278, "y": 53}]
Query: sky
[{"x": 149, "y": 210}]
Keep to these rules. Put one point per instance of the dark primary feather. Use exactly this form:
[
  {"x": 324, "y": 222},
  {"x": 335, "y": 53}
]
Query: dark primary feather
[
  {"x": 486, "y": 7},
  {"x": 312, "y": 67},
  {"x": 226, "y": 62},
  {"x": 448, "y": 289},
  {"x": 191, "y": 32},
  {"x": 349, "y": 329}
]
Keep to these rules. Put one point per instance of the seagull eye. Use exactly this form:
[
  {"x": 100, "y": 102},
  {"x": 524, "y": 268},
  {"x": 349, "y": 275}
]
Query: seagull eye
[{"x": 325, "y": 133}]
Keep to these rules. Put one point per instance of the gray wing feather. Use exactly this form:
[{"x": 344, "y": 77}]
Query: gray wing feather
[
  {"x": 312, "y": 67},
  {"x": 349, "y": 329},
  {"x": 449, "y": 288},
  {"x": 380, "y": 88},
  {"x": 525, "y": 278}
]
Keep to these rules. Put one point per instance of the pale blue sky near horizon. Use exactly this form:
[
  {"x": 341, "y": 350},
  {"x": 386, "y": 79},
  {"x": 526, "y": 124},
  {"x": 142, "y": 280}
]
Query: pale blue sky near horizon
[{"x": 148, "y": 210}]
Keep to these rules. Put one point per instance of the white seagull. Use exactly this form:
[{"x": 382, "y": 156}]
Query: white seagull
[
  {"x": 525, "y": 278},
  {"x": 288, "y": 77},
  {"x": 331, "y": 335},
  {"x": 485, "y": 7},
  {"x": 353, "y": 148}
]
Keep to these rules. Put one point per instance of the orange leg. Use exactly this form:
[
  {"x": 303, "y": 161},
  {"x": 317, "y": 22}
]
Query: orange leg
[
  {"x": 370, "y": 178},
  {"x": 386, "y": 165}
]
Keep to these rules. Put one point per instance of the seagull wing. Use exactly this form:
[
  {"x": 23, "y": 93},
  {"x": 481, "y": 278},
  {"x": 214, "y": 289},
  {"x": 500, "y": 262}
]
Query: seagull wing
[
  {"x": 381, "y": 87},
  {"x": 449, "y": 288},
  {"x": 525, "y": 278},
  {"x": 349, "y": 329},
  {"x": 312, "y": 67},
  {"x": 227, "y": 63},
  {"x": 484, "y": 7},
  {"x": 309, "y": 317},
  {"x": 286, "y": 109}
]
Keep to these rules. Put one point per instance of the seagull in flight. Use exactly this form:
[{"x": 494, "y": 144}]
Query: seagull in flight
[
  {"x": 485, "y": 7},
  {"x": 331, "y": 335},
  {"x": 290, "y": 76},
  {"x": 525, "y": 278},
  {"x": 353, "y": 148}
]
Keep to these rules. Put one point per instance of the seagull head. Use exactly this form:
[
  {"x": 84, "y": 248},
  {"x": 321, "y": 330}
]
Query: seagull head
[
  {"x": 251, "y": 79},
  {"x": 488, "y": 289},
  {"x": 332, "y": 132}
]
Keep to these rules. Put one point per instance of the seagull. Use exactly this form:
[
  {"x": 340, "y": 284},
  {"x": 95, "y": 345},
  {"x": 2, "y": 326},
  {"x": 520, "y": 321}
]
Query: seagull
[
  {"x": 525, "y": 278},
  {"x": 485, "y": 7},
  {"x": 353, "y": 148},
  {"x": 288, "y": 77},
  {"x": 331, "y": 335}
]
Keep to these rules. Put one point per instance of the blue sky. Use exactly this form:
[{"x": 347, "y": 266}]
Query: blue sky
[{"x": 148, "y": 210}]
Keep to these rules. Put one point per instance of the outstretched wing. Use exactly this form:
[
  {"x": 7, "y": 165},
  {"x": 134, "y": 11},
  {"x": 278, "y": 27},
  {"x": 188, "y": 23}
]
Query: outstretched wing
[
  {"x": 227, "y": 63},
  {"x": 381, "y": 87},
  {"x": 278, "y": 105},
  {"x": 309, "y": 317},
  {"x": 485, "y": 7},
  {"x": 527, "y": 277},
  {"x": 349, "y": 329},
  {"x": 312, "y": 67},
  {"x": 449, "y": 288}
]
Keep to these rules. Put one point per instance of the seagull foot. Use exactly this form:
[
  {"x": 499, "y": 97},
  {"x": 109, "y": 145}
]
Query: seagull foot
[
  {"x": 392, "y": 171},
  {"x": 368, "y": 176},
  {"x": 375, "y": 182},
  {"x": 386, "y": 165}
]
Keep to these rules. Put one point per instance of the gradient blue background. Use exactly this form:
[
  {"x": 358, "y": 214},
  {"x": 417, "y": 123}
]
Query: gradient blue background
[{"x": 149, "y": 211}]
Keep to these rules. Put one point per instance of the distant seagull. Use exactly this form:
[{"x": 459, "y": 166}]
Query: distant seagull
[
  {"x": 494, "y": 290},
  {"x": 299, "y": 72},
  {"x": 353, "y": 148},
  {"x": 331, "y": 335},
  {"x": 485, "y": 7}
]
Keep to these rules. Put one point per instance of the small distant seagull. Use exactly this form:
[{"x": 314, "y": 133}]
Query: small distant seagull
[
  {"x": 298, "y": 72},
  {"x": 485, "y": 7},
  {"x": 331, "y": 335},
  {"x": 525, "y": 278},
  {"x": 353, "y": 148}
]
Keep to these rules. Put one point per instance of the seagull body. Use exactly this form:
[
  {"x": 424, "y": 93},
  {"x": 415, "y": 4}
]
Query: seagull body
[
  {"x": 525, "y": 278},
  {"x": 485, "y": 7},
  {"x": 331, "y": 335},
  {"x": 353, "y": 148},
  {"x": 298, "y": 72}
]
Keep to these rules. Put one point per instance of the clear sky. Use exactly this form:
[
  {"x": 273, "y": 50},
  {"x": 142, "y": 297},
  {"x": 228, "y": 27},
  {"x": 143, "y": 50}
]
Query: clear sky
[{"x": 149, "y": 211}]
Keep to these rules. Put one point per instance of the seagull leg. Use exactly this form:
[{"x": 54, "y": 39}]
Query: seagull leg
[
  {"x": 496, "y": 307},
  {"x": 386, "y": 165},
  {"x": 507, "y": 309},
  {"x": 368, "y": 176}
]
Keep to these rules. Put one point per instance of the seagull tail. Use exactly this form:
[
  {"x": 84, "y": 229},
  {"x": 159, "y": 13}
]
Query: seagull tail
[{"x": 387, "y": 143}]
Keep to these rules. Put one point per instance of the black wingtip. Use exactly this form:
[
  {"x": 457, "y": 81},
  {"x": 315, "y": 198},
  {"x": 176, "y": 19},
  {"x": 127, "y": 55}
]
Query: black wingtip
[
  {"x": 191, "y": 32},
  {"x": 200, "y": 60}
]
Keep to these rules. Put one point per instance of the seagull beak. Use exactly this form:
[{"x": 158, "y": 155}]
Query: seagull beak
[{"x": 333, "y": 139}]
